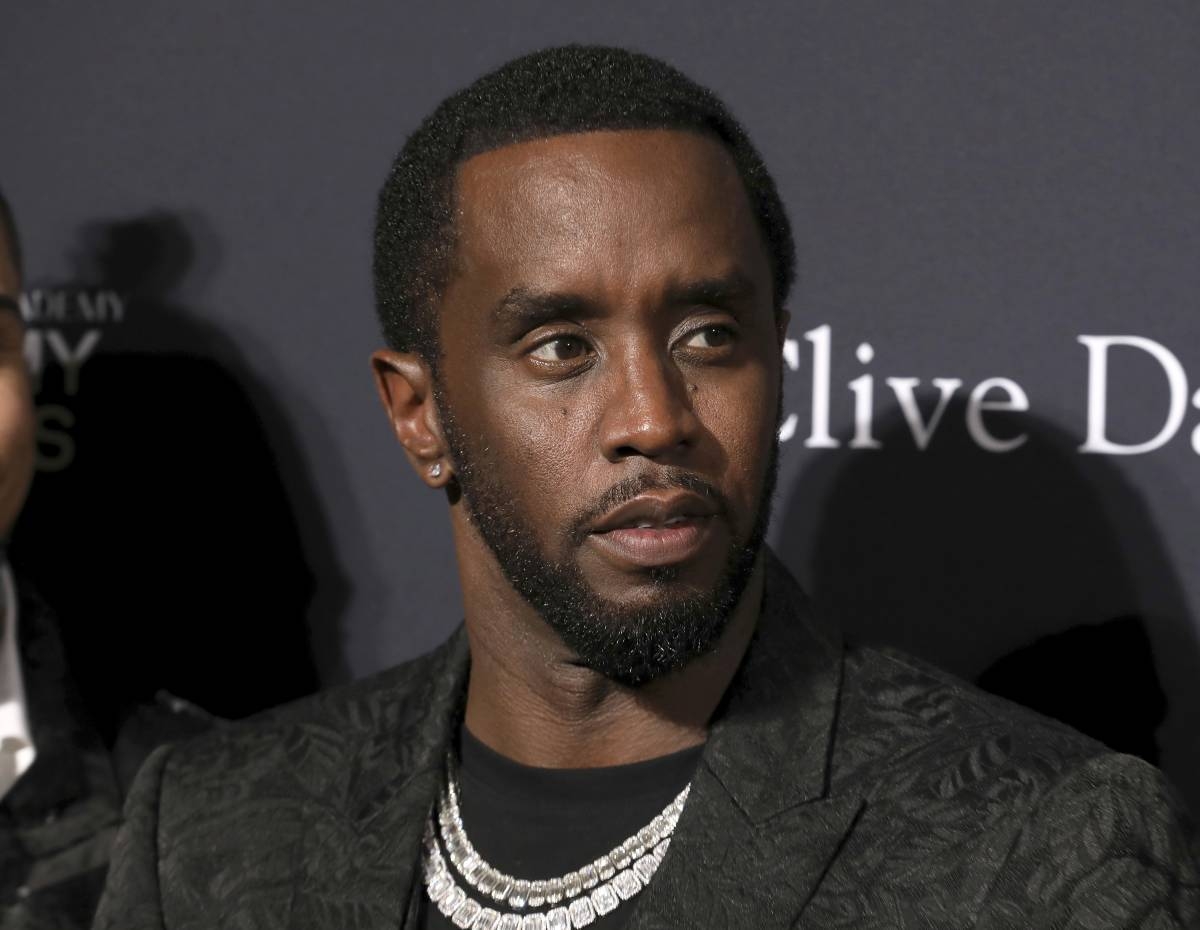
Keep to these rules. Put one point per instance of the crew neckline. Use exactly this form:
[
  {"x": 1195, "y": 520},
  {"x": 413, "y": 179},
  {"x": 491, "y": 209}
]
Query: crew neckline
[{"x": 503, "y": 777}]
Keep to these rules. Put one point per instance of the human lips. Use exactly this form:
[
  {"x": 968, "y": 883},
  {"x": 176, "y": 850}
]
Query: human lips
[{"x": 654, "y": 530}]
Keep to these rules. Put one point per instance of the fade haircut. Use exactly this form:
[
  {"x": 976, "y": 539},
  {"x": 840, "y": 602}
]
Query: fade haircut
[
  {"x": 8, "y": 232},
  {"x": 557, "y": 91}
]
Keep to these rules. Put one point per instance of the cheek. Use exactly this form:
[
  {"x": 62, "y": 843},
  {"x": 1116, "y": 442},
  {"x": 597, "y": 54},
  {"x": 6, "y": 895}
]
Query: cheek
[
  {"x": 740, "y": 414},
  {"x": 534, "y": 444},
  {"x": 16, "y": 416},
  {"x": 16, "y": 444},
  {"x": 538, "y": 449}
]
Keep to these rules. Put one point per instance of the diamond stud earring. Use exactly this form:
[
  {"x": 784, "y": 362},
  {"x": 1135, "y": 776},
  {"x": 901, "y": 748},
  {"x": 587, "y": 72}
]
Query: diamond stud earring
[{"x": 435, "y": 470}]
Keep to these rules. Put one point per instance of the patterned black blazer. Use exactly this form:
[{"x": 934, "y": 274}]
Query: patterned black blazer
[{"x": 839, "y": 788}]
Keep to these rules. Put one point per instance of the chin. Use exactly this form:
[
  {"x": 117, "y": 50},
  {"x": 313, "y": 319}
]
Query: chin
[{"x": 649, "y": 630}]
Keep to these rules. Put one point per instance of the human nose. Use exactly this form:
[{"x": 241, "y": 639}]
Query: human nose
[{"x": 649, "y": 411}]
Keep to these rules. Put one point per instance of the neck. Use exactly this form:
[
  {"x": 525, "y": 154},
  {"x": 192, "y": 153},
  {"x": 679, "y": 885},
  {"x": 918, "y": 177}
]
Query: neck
[{"x": 528, "y": 699}]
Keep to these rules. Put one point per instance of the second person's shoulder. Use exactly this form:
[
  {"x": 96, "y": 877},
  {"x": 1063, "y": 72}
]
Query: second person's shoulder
[{"x": 303, "y": 748}]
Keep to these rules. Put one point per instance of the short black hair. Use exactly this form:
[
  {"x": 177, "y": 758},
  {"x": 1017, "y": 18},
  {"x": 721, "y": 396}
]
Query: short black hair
[
  {"x": 8, "y": 226},
  {"x": 557, "y": 91}
]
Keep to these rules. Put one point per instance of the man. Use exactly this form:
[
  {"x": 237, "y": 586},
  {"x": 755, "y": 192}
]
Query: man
[
  {"x": 59, "y": 801},
  {"x": 60, "y": 785},
  {"x": 582, "y": 267}
]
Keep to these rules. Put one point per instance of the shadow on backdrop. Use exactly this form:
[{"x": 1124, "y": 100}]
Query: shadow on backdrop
[
  {"x": 175, "y": 529},
  {"x": 1010, "y": 569}
]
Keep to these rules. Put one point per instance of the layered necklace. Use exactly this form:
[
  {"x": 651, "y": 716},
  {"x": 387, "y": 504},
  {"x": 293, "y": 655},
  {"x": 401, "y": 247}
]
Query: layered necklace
[{"x": 566, "y": 902}]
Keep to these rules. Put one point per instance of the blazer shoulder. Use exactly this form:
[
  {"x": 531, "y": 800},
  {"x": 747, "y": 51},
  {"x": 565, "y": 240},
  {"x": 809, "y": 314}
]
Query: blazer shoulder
[
  {"x": 1110, "y": 838},
  {"x": 305, "y": 744},
  {"x": 969, "y": 792},
  {"x": 900, "y": 715}
]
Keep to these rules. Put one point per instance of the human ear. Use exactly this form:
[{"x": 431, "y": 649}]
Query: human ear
[{"x": 405, "y": 386}]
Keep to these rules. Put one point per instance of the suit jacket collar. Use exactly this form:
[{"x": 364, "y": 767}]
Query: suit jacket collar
[
  {"x": 780, "y": 711},
  {"x": 759, "y": 829},
  {"x": 392, "y": 784},
  {"x": 69, "y": 754}
]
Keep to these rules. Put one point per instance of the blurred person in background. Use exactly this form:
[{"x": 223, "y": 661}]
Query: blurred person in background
[{"x": 60, "y": 792}]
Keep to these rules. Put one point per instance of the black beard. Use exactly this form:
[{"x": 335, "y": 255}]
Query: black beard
[{"x": 631, "y": 645}]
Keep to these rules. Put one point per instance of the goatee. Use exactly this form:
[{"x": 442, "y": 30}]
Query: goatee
[{"x": 629, "y": 644}]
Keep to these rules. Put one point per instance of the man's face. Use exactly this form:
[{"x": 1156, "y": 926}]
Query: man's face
[
  {"x": 609, "y": 386},
  {"x": 16, "y": 403}
]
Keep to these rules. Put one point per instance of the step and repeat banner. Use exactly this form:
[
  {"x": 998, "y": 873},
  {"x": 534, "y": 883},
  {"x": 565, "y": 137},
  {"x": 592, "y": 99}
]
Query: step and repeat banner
[{"x": 991, "y": 440}]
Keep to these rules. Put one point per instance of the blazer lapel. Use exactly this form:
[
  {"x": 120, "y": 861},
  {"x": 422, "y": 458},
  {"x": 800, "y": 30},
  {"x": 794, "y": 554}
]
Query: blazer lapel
[
  {"x": 362, "y": 870},
  {"x": 757, "y": 835},
  {"x": 760, "y": 828},
  {"x": 71, "y": 762}
]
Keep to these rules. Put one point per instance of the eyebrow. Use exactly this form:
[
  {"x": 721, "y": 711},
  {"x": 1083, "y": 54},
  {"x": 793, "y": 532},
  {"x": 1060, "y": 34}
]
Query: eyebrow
[
  {"x": 528, "y": 307},
  {"x": 718, "y": 291}
]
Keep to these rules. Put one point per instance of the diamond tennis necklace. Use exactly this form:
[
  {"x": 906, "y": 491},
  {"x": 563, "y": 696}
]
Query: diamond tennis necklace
[{"x": 574, "y": 900}]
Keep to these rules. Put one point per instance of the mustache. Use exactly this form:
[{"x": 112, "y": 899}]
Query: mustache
[{"x": 666, "y": 479}]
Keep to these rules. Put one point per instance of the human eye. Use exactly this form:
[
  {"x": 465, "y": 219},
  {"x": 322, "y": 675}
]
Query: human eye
[
  {"x": 712, "y": 336},
  {"x": 560, "y": 349}
]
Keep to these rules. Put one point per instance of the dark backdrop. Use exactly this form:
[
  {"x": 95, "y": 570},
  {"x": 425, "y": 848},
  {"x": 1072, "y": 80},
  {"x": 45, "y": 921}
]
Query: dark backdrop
[{"x": 974, "y": 187}]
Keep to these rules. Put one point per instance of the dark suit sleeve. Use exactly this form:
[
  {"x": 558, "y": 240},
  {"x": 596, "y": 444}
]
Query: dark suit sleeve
[
  {"x": 1108, "y": 847},
  {"x": 131, "y": 899}
]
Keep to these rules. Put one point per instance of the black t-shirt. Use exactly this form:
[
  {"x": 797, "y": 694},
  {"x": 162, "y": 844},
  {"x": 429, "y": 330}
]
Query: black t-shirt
[{"x": 542, "y": 823}]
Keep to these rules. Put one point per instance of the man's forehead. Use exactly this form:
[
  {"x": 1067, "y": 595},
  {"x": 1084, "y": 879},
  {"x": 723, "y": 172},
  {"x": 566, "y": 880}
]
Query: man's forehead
[
  {"x": 582, "y": 164},
  {"x": 567, "y": 197}
]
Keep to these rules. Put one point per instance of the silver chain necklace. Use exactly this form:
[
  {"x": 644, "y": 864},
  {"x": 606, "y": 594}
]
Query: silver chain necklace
[{"x": 574, "y": 900}]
